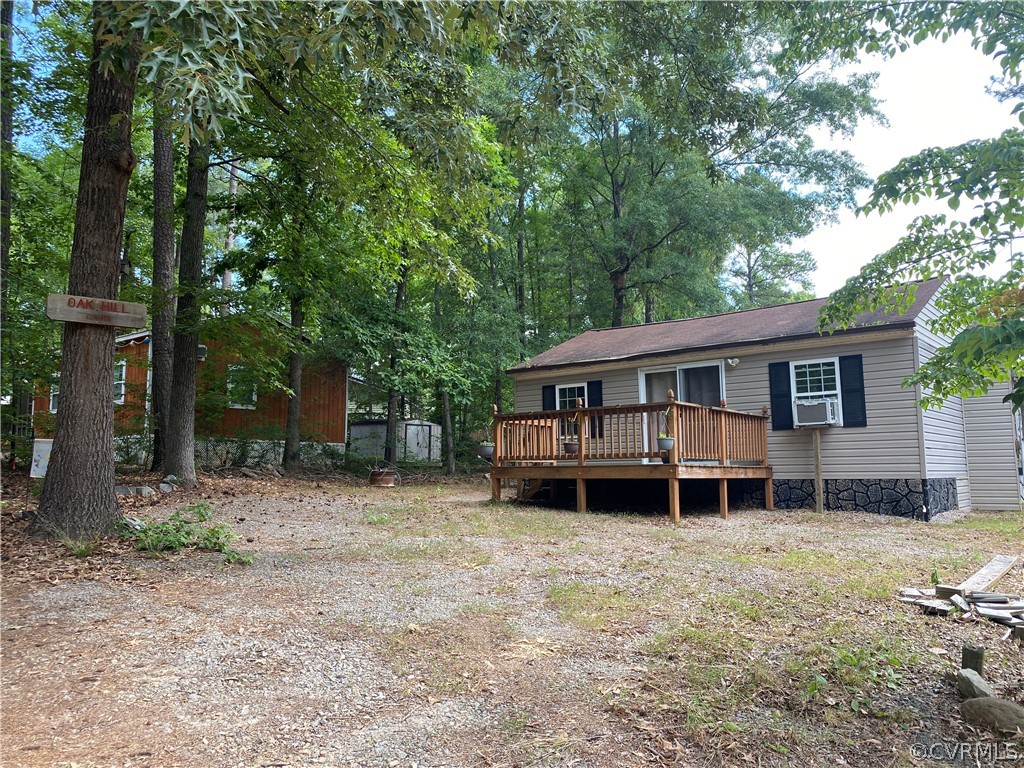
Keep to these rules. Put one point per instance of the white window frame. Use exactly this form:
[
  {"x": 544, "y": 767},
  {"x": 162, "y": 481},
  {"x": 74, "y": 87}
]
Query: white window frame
[
  {"x": 837, "y": 395},
  {"x": 121, "y": 365},
  {"x": 558, "y": 395},
  {"x": 239, "y": 406},
  {"x": 564, "y": 423},
  {"x": 678, "y": 368},
  {"x": 54, "y": 396}
]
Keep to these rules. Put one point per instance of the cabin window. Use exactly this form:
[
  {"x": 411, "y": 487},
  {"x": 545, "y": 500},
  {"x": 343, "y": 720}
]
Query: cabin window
[
  {"x": 568, "y": 394},
  {"x": 54, "y": 395},
  {"x": 816, "y": 379},
  {"x": 241, "y": 388},
  {"x": 120, "y": 377},
  {"x": 821, "y": 391}
]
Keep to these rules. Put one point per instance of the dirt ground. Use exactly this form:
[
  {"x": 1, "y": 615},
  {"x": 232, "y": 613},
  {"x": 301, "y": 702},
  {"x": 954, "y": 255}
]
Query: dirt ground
[{"x": 424, "y": 626}]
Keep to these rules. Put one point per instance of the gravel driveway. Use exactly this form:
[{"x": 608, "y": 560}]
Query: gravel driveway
[{"x": 424, "y": 626}]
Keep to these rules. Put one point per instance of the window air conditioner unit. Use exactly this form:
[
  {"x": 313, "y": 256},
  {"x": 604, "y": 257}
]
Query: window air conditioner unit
[{"x": 816, "y": 413}]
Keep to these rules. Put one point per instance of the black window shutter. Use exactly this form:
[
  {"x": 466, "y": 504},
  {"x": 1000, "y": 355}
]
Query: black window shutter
[
  {"x": 781, "y": 396},
  {"x": 851, "y": 383},
  {"x": 547, "y": 396},
  {"x": 595, "y": 399}
]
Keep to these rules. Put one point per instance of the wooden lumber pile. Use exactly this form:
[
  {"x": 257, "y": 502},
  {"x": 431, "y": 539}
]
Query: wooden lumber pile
[{"x": 973, "y": 598}]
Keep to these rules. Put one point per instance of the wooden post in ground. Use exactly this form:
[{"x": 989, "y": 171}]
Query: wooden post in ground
[
  {"x": 673, "y": 499},
  {"x": 723, "y": 497},
  {"x": 581, "y": 495},
  {"x": 819, "y": 481},
  {"x": 973, "y": 657},
  {"x": 723, "y": 437},
  {"x": 769, "y": 488}
]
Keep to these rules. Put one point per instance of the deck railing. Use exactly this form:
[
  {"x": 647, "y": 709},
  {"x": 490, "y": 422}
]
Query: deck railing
[{"x": 630, "y": 433}]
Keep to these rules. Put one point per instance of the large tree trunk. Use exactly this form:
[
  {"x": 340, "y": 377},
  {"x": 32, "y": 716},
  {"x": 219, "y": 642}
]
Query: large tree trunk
[
  {"x": 162, "y": 339},
  {"x": 293, "y": 423},
  {"x": 181, "y": 437},
  {"x": 78, "y": 496}
]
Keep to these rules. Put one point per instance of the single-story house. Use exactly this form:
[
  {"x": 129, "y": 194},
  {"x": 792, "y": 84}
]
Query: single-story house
[
  {"x": 879, "y": 451},
  {"x": 233, "y": 412}
]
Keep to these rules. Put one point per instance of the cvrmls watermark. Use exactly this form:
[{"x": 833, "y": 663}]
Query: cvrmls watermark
[{"x": 976, "y": 753}]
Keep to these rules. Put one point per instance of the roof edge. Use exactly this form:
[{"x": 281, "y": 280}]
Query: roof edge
[{"x": 900, "y": 326}]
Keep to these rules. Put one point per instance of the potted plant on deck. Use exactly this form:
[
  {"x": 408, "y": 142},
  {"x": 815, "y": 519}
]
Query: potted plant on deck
[
  {"x": 665, "y": 441},
  {"x": 486, "y": 451},
  {"x": 571, "y": 440}
]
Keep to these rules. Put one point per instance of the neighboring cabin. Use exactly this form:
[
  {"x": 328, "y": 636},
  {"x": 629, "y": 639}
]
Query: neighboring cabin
[
  {"x": 880, "y": 451},
  {"x": 236, "y": 420}
]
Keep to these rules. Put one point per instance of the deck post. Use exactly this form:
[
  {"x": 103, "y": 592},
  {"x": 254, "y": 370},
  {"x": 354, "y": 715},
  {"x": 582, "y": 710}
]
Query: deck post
[
  {"x": 673, "y": 499},
  {"x": 723, "y": 437},
  {"x": 581, "y": 495},
  {"x": 723, "y": 497},
  {"x": 769, "y": 494},
  {"x": 496, "y": 456}
]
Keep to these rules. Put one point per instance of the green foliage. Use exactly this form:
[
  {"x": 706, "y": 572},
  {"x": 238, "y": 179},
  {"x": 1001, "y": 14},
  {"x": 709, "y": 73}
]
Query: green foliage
[
  {"x": 982, "y": 317},
  {"x": 187, "y": 528}
]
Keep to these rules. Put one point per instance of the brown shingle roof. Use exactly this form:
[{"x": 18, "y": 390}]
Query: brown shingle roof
[{"x": 786, "y": 321}]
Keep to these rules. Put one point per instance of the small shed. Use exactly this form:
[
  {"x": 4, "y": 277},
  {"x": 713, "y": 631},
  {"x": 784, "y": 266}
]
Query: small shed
[{"x": 418, "y": 440}]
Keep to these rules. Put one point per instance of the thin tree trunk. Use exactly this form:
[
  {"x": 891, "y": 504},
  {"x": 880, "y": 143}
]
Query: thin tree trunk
[
  {"x": 449, "y": 437},
  {"x": 78, "y": 496},
  {"x": 6, "y": 150},
  {"x": 14, "y": 426},
  {"x": 181, "y": 436},
  {"x": 293, "y": 422},
  {"x": 391, "y": 434},
  {"x": 162, "y": 339},
  {"x": 227, "y": 278},
  {"x": 521, "y": 269}
]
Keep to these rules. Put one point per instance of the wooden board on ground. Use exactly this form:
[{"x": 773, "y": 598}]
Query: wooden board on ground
[
  {"x": 993, "y": 571},
  {"x": 940, "y": 607}
]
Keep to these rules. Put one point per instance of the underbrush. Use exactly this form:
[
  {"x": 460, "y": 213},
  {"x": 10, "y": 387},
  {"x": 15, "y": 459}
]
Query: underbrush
[{"x": 188, "y": 528}]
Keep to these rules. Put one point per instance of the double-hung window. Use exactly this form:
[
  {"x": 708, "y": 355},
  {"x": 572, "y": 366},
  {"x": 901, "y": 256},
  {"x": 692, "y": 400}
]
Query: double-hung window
[
  {"x": 120, "y": 379},
  {"x": 816, "y": 380},
  {"x": 567, "y": 395}
]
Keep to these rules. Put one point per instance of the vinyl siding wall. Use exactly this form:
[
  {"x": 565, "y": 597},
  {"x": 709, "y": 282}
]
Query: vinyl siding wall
[
  {"x": 991, "y": 453},
  {"x": 945, "y": 443},
  {"x": 889, "y": 447}
]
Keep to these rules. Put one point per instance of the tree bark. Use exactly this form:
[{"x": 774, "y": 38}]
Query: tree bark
[
  {"x": 181, "y": 437},
  {"x": 391, "y": 433},
  {"x": 162, "y": 339},
  {"x": 449, "y": 437},
  {"x": 6, "y": 150},
  {"x": 521, "y": 269},
  {"x": 293, "y": 418},
  {"x": 78, "y": 496},
  {"x": 227, "y": 278}
]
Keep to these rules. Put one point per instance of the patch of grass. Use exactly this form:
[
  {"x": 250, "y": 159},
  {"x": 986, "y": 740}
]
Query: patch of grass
[
  {"x": 591, "y": 606},
  {"x": 187, "y": 528},
  {"x": 1009, "y": 526},
  {"x": 80, "y": 547},
  {"x": 448, "y": 551}
]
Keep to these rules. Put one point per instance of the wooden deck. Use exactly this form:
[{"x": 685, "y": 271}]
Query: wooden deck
[{"x": 621, "y": 443}]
